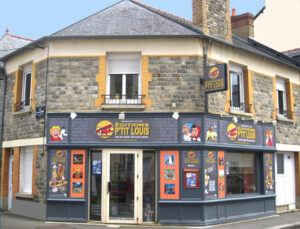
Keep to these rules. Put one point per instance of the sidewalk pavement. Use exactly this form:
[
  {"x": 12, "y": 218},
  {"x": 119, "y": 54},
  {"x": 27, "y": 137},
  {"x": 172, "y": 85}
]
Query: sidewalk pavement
[{"x": 289, "y": 220}]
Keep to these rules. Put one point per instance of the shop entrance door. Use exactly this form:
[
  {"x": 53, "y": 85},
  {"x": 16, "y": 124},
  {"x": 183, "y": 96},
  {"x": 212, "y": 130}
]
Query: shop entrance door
[{"x": 123, "y": 186}]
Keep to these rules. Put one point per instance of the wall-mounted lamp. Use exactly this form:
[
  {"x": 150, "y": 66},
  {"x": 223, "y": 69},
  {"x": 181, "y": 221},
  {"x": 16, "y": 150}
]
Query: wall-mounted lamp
[
  {"x": 234, "y": 119},
  {"x": 274, "y": 122},
  {"x": 73, "y": 115},
  {"x": 255, "y": 121},
  {"x": 175, "y": 115},
  {"x": 122, "y": 115}
]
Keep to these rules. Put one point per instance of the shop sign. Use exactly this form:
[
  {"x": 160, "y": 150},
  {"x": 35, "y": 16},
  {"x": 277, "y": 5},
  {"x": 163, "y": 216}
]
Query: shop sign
[
  {"x": 129, "y": 130},
  {"x": 215, "y": 78},
  {"x": 191, "y": 159},
  {"x": 239, "y": 133},
  {"x": 269, "y": 173},
  {"x": 210, "y": 174}
]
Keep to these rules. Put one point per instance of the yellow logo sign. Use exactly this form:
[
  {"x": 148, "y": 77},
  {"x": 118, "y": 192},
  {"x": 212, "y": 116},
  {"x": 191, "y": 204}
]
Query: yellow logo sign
[
  {"x": 231, "y": 131},
  {"x": 213, "y": 73},
  {"x": 105, "y": 129}
]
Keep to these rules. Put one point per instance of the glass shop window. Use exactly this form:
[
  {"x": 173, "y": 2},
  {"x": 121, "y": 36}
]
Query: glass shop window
[{"x": 241, "y": 173}]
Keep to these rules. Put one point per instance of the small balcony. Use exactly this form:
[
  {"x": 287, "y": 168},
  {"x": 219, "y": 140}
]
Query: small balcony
[
  {"x": 123, "y": 102},
  {"x": 284, "y": 114},
  {"x": 23, "y": 107},
  {"x": 240, "y": 107}
]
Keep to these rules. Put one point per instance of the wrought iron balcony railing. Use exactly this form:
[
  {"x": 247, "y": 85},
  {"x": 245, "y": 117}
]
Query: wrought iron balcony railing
[
  {"x": 23, "y": 105},
  {"x": 123, "y": 99},
  {"x": 244, "y": 107},
  {"x": 285, "y": 114}
]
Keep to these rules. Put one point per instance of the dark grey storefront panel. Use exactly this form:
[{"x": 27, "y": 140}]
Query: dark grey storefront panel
[
  {"x": 215, "y": 212},
  {"x": 67, "y": 211}
]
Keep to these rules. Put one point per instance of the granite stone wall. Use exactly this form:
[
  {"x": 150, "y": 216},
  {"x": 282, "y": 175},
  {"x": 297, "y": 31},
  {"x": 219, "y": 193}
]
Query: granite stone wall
[
  {"x": 71, "y": 83},
  {"x": 263, "y": 97},
  {"x": 176, "y": 83}
]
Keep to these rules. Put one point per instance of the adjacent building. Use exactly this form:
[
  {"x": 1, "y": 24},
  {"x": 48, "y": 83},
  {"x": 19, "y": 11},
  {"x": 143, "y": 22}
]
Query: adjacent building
[{"x": 134, "y": 115}]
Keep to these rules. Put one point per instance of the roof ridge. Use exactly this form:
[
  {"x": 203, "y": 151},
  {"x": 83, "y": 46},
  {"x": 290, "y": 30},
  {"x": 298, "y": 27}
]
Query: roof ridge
[
  {"x": 165, "y": 12},
  {"x": 19, "y": 37},
  {"x": 290, "y": 50},
  {"x": 53, "y": 34}
]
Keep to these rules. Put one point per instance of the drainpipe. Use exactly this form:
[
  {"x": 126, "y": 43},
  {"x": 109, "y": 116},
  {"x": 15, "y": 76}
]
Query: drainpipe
[
  {"x": 2, "y": 78},
  {"x": 206, "y": 45}
]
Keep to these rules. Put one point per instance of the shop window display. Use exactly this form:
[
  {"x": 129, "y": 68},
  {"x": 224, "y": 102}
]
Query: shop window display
[{"x": 241, "y": 173}]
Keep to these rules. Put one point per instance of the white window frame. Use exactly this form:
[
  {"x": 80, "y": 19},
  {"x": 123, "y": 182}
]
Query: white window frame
[
  {"x": 27, "y": 70},
  {"x": 280, "y": 86},
  {"x": 25, "y": 174},
  {"x": 237, "y": 70},
  {"x": 123, "y": 99}
]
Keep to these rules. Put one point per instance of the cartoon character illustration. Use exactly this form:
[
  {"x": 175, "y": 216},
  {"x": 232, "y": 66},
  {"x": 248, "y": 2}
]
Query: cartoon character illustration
[
  {"x": 169, "y": 160},
  {"x": 207, "y": 177},
  {"x": 186, "y": 130},
  {"x": 269, "y": 138},
  {"x": 211, "y": 134},
  {"x": 105, "y": 129},
  {"x": 63, "y": 133},
  {"x": 269, "y": 178},
  {"x": 195, "y": 135},
  {"x": 57, "y": 133}
]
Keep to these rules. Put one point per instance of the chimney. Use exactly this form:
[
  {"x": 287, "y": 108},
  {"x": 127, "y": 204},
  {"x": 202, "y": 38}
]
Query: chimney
[
  {"x": 213, "y": 17},
  {"x": 243, "y": 25}
]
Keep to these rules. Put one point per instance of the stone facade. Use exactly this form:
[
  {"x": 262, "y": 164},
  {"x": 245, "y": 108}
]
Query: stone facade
[
  {"x": 263, "y": 97},
  {"x": 71, "y": 83},
  {"x": 176, "y": 83},
  {"x": 41, "y": 176}
]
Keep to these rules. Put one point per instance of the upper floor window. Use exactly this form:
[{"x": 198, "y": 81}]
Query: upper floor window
[
  {"x": 123, "y": 83},
  {"x": 237, "y": 101},
  {"x": 26, "y": 87},
  {"x": 23, "y": 86},
  {"x": 281, "y": 98}
]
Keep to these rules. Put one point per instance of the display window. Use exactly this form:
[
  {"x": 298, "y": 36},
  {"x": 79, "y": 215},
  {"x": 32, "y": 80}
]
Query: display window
[
  {"x": 241, "y": 173},
  {"x": 191, "y": 178}
]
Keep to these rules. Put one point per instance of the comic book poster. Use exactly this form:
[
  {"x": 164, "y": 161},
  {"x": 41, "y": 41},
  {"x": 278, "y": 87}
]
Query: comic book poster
[
  {"x": 210, "y": 175},
  {"x": 58, "y": 174},
  {"x": 269, "y": 173}
]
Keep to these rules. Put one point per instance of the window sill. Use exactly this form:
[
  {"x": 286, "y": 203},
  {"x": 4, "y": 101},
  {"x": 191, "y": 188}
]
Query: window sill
[
  {"x": 23, "y": 112},
  {"x": 280, "y": 119},
  {"x": 123, "y": 107},
  {"x": 26, "y": 196},
  {"x": 241, "y": 113}
]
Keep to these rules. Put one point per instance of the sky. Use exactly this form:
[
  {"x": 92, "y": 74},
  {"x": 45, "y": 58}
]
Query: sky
[{"x": 35, "y": 19}]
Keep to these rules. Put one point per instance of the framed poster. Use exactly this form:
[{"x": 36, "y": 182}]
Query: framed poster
[
  {"x": 58, "y": 174},
  {"x": 221, "y": 174},
  {"x": 77, "y": 174},
  {"x": 169, "y": 174},
  {"x": 191, "y": 178},
  {"x": 210, "y": 174},
  {"x": 269, "y": 173}
]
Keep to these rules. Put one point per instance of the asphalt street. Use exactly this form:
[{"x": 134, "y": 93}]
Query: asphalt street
[{"x": 282, "y": 221}]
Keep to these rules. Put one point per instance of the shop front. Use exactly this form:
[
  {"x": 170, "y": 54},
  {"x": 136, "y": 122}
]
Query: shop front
[{"x": 191, "y": 169}]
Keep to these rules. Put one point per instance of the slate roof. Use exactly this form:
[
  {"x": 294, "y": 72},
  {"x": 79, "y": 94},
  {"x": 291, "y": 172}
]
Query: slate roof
[
  {"x": 255, "y": 47},
  {"x": 130, "y": 18},
  {"x": 9, "y": 43}
]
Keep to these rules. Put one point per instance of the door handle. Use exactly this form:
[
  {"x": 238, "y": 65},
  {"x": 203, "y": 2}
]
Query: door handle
[{"x": 109, "y": 186}]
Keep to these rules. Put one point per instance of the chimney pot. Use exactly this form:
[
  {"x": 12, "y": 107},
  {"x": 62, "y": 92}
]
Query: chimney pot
[{"x": 233, "y": 12}]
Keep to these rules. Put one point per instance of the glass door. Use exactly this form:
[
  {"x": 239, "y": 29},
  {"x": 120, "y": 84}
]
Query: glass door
[{"x": 123, "y": 186}]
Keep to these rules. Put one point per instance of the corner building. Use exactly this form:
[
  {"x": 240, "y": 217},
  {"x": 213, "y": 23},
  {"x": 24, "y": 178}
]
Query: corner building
[{"x": 105, "y": 120}]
